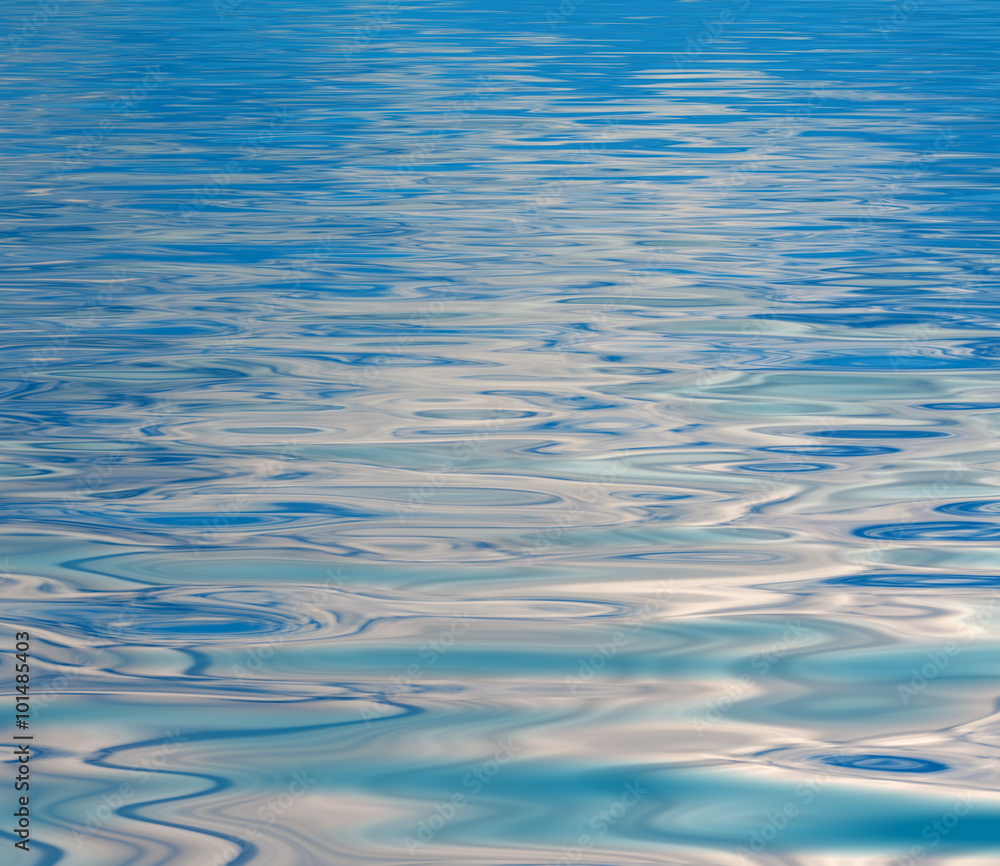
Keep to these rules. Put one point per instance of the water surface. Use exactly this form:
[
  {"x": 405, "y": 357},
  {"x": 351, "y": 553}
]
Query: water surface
[{"x": 548, "y": 433}]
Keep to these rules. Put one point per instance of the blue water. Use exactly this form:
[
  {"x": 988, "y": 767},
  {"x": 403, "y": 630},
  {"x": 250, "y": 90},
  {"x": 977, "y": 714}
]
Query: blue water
[{"x": 442, "y": 432}]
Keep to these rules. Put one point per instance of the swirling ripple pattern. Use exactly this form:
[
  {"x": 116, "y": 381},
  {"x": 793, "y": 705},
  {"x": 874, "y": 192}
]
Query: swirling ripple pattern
[{"x": 549, "y": 432}]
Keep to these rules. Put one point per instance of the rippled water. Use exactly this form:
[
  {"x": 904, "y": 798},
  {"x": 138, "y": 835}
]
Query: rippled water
[{"x": 548, "y": 433}]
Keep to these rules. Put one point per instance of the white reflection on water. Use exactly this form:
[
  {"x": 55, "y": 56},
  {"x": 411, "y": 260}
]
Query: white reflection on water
[{"x": 389, "y": 387}]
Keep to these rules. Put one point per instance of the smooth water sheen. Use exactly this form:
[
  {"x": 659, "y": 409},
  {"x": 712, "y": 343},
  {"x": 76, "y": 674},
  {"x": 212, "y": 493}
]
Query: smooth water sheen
[{"x": 443, "y": 432}]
